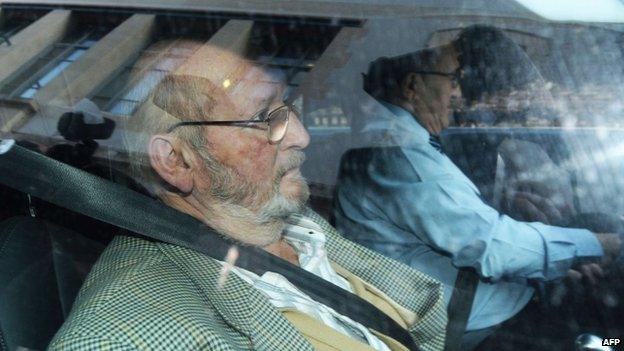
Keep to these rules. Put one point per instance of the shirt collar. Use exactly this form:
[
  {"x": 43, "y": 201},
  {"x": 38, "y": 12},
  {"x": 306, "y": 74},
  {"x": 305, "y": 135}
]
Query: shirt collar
[
  {"x": 308, "y": 239},
  {"x": 398, "y": 123}
]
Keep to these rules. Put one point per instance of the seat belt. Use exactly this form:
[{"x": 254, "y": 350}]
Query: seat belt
[
  {"x": 459, "y": 307},
  {"x": 76, "y": 190}
]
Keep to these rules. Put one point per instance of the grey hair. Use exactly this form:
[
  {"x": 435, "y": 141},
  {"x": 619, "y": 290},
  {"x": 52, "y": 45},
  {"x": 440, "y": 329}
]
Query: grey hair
[
  {"x": 175, "y": 98},
  {"x": 385, "y": 74}
]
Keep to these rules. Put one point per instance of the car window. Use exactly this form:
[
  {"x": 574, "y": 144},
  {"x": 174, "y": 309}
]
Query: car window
[{"x": 436, "y": 140}]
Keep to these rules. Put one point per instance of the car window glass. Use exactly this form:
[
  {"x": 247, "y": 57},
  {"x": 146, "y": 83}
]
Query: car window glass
[{"x": 448, "y": 136}]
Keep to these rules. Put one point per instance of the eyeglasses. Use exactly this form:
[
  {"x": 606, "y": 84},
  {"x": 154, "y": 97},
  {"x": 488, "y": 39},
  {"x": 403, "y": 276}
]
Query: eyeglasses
[
  {"x": 455, "y": 76},
  {"x": 276, "y": 123}
]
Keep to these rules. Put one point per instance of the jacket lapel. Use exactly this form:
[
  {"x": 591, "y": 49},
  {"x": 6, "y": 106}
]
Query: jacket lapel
[
  {"x": 243, "y": 308},
  {"x": 406, "y": 286}
]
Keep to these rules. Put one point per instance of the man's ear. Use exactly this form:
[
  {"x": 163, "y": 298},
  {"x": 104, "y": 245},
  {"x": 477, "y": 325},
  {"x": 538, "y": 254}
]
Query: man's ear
[
  {"x": 410, "y": 86},
  {"x": 422, "y": 99},
  {"x": 169, "y": 159}
]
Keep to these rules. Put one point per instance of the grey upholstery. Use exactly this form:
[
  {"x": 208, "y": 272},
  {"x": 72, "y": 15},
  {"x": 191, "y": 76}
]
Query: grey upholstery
[{"x": 42, "y": 267}]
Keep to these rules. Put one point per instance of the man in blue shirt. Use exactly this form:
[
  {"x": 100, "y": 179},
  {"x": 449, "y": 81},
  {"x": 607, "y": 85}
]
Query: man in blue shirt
[{"x": 405, "y": 198}]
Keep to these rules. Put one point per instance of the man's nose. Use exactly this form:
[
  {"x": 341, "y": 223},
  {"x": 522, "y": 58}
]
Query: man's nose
[{"x": 296, "y": 134}]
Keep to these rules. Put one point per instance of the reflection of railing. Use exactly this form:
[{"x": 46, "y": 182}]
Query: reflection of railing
[
  {"x": 69, "y": 53},
  {"x": 4, "y": 39},
  {"x": 14, "y": 112},
  {"x": 6, "y": 35},
  {"x": 16, "y": 102}
]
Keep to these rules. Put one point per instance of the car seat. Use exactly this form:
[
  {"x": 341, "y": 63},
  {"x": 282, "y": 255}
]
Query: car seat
[{"x": 42, "y": 266}]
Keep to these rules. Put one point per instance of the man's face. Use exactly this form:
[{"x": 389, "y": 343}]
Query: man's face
[
  {"x": 441, "y": 93},
  {"x": 447, "y": 91},
  {"x": 248, "y": 170}
]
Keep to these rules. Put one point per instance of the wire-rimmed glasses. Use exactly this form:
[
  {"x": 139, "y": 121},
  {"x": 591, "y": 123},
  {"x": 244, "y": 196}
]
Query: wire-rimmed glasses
[{"x": 276, "y": 123}]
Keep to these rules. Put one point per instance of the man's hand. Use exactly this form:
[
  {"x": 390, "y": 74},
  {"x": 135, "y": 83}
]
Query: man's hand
[
  {"x": 611, "y": 245},
  {"x": 590, "y": 271},
  {"x": 593, "y": 272}
]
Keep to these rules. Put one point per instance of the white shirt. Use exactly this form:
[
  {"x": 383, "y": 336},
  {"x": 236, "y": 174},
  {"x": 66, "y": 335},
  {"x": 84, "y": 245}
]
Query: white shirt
[{"x": 308, "y": 240}]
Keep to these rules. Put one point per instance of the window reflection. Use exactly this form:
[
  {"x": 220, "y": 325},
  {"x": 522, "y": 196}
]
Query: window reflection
[
  {"x": 57, "y": 63},
  {"x": 12, "y": 22},
  {"x": 543, "y": 113}
]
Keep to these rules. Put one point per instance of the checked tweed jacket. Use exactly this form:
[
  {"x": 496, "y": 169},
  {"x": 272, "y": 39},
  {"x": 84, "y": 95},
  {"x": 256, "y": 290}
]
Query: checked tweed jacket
[{"x": 144, "y": 295}]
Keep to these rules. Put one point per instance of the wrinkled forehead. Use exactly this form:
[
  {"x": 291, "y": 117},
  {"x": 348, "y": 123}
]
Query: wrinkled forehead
[
  {"x": 232, "y": 73},
  {"x": 260, "y": 84}
]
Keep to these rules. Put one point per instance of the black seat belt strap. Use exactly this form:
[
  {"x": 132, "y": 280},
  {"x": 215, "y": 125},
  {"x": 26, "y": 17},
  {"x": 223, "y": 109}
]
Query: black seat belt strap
[
  {"x": 459, "y": 307},
  {"x": 87, "y": 194}
]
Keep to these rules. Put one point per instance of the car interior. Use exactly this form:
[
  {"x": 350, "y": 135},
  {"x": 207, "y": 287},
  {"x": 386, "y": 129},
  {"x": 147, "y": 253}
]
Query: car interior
[{"x": 47, "y": 251}]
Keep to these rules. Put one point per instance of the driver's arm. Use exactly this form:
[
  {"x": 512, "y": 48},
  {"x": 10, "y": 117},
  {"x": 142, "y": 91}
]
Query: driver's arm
[{"x": 446, "y": 212}]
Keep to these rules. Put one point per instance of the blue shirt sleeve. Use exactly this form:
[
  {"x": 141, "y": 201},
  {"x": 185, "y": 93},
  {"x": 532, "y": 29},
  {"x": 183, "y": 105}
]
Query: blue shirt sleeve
[{"x": 425, "y": 194}]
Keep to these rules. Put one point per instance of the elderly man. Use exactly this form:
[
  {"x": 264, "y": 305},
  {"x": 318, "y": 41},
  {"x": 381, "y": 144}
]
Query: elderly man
[
  {"x": 405, "y": 198},
  {"x": 216, "y": 141}
]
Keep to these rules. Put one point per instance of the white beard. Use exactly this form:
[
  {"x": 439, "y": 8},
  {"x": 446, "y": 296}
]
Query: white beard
[
  {"x": 242, "y": 197},
  {"x": 281, "y": 207}
]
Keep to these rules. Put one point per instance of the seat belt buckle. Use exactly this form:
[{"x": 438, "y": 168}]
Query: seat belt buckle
[{"x": 6, "y": 145}]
